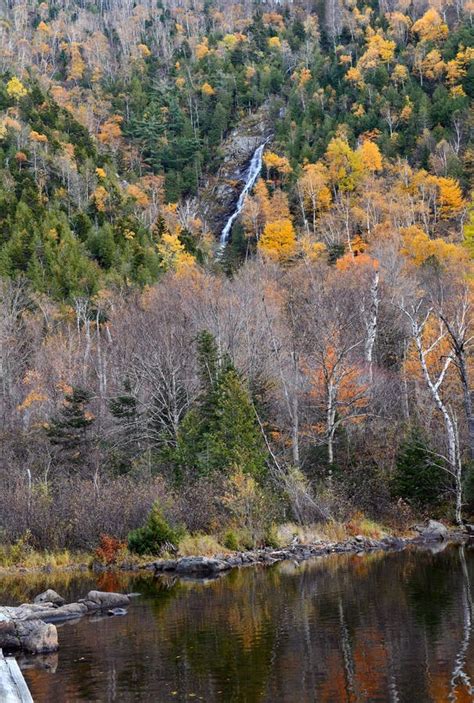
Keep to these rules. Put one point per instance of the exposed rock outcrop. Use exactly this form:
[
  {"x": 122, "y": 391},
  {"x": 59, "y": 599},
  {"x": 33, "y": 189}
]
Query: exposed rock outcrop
[{"x": 220, "y": 193}]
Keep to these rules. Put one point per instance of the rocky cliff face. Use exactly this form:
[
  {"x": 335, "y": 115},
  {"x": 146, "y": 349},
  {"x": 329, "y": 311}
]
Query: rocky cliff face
[{"x": 220, "y": 193}]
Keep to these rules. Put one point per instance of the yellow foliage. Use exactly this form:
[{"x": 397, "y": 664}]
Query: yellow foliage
[
  {"x": 274, "y": 43},
  {"x": 100, "y": 196},
  {"x": 430, "y": 27},
  {"x": 450, "y": 198},
  {"x": 399, "y": 73},
  {"x": 180, "y": 82},
  {"x": 457, "y": 91},
  {"x": 144, "y": 50},
  {"x": 371, "y": 156},
  {"x": 278, "y": 240},
  {"x": 345, "y": 166},
  {"x": 100, "y": 172},
  {"x": 16, "y": 89},
  {"x": 250, "y": 72},
  {"x": 77, "y": 66},
  {"x": 418, "y": 247},
  {"x": 231, "y": 40},
  {"x": 33, "y": 396},
  {"x": 37, "y": 137},
  {"x": 279, "y": 163},
  {"x": 110, "y": 130},
  {"x": 345, "y": 59},
  {"x": 379, "y": 50},
  {"x": 310, "y": 249},
  {"x": 201, "y": 49},
  {"x": 43, "y": 28},
  {"x": 355, "y": 76},
  {"x": 138, "y": 195},
  {"x": 207, "y": 89},
  {"x": 407, "y": 111},
  {"x": 433, "y": 65},
  {"x": 173, "y": 254}
]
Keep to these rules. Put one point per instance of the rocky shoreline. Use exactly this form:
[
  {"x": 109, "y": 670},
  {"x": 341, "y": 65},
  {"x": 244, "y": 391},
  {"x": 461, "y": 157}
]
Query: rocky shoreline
[{"x": 199, "y": 566}]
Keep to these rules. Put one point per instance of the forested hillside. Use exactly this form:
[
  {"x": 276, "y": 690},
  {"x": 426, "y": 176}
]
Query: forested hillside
[{"x": 320, "y": 365}]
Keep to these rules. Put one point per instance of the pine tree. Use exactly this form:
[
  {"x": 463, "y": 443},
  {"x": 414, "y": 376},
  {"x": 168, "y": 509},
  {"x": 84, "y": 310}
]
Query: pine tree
[
  {"x": 69, "y": 430},
  {"x": 418, "y": 479}
]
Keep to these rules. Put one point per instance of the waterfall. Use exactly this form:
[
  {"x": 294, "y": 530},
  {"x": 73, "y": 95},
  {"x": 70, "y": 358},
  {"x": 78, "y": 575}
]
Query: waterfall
[{"x": 252, "y": 174}]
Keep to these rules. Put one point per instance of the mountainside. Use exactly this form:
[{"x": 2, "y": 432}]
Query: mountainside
[{"x": 322, "y": 364}]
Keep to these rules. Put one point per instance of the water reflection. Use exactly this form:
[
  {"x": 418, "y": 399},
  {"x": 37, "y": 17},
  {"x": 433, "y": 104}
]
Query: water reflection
[{"x": 394, "y": 627}]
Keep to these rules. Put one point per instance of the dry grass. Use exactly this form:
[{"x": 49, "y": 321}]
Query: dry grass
[
  {"x": 200, "y": 545},
  {"x": 11, "y": 556},
  {"x": 331, "y": 531}
]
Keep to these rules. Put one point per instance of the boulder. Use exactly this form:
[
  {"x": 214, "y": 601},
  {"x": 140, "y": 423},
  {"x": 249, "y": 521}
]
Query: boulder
[
  {"x": 33, "y": 636},
  {"x": 98, "y": 600},
  {"x": 37, "y": 637},
  {"x": 434, "y": 531},
  {"x": 201, "y": 565},
  {"x": 50, "y": 596}
]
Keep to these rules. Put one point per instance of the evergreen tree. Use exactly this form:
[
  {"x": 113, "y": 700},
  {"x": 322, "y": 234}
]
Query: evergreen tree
[
  {"x": 221, "y": 432},
  {"x": 69, "y": 430},
  {"x": 418, "y": 479}
]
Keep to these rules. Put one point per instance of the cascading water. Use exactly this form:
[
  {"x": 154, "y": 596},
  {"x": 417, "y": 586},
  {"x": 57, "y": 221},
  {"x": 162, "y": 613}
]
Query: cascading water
[{"x": 252, "y": 174}]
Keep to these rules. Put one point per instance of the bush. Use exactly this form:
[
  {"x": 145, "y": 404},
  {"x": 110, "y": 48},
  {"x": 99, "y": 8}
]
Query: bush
[
  {"x": 109, "y": 549},
  {"x": 156, "y": 534},
  {"x": 231, "y": 541}
]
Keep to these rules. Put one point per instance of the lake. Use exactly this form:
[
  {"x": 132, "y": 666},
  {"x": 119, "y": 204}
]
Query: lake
[{"x": 379, "y": 627}]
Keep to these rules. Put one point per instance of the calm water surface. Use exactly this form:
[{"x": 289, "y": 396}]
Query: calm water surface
[{"x": 394, "y": 627}]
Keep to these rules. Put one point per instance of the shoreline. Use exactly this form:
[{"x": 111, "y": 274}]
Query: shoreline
[{"x": 206, "y": 565}]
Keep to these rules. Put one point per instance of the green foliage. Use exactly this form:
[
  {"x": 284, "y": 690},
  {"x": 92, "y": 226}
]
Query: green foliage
[
  {"x": 155, "y": 534},
  {"x": 69, "y": 430},
  {"x": 418, "y": 479},
  {"x": 221, "y": 432}
]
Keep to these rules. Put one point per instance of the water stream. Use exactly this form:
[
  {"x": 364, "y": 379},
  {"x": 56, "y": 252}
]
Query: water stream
[{"x": 252, "y": 174}]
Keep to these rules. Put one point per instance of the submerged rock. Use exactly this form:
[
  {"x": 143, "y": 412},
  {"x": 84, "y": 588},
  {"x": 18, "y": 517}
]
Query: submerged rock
[{"x": 117, "y": 611}]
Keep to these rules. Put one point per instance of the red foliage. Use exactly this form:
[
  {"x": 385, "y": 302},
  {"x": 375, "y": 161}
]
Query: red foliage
[{"x": 108, "y": 549}]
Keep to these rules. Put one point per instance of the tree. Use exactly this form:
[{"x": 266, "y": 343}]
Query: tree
[
  {"x": 418, "y": 479},
  {"x": 278, "y": 240},
  {"x": 221, "y": 432},
  {"x": 69, "y": 430}
]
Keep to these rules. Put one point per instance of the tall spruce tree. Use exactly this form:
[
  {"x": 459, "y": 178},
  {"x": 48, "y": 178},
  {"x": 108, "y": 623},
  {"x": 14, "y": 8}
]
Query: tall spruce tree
[{"x": 220, "y": 433}]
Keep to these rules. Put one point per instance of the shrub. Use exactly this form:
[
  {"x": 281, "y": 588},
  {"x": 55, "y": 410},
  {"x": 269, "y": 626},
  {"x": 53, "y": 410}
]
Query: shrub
[
  {"x": 156, "y": 534},
  {"x": 109, "y": 549},
  {"x": 231, "y": 540}
]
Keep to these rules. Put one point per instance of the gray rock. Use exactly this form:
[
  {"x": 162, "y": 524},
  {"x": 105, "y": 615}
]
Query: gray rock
[
  {"x": 117, "y": 611},
  {"x": 434, "y": 531},
  {"x": 50, "y": 596},
  {"x": 201, "y": 565},
  {"x": 37, "y": 637},
  {"x": 32, "y": 636},
  {"x": 98, "y": 600}
]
